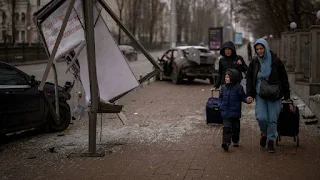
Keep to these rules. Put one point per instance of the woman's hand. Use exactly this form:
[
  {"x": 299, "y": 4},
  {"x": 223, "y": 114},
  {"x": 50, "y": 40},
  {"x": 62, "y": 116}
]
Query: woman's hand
[
  {"x": 249, "y": 99},
  {"x": 291, "y": 106}
]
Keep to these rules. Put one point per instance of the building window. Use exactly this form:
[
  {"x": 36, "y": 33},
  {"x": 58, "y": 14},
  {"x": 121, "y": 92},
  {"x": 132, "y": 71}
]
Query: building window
[
  {"x": 17, "y": 36},
  {"x": 17, "y": 17},
  {"x": 23, "y": 36},
  {"x": 4, "y": 18},
  {"x": 23, "y": 18},
  {"x": 4, "y": 35}
]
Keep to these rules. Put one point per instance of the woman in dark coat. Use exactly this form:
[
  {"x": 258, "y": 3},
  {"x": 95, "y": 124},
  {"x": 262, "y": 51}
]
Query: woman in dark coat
[
  {"x": 230, "y": 60},
  {"x": 266, "y": 65}
]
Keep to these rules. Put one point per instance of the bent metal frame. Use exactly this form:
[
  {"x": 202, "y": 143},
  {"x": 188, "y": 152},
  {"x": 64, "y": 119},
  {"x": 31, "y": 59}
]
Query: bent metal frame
[{"x": 88, "y": 6}]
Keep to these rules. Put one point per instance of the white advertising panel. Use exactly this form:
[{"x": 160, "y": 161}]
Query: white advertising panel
[
  {"x": 73, "y": 33},
  {"x": 113, "y": 72}
]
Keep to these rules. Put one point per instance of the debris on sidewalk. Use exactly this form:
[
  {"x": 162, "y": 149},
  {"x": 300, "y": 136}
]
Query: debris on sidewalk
[
  {"x": 309, "y": 116},
  {"x": 52, "y": 150},
  {"x": 312, "y": 121},
  {"x": 31, "y": 157}
]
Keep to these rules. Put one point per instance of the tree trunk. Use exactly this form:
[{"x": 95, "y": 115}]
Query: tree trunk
[{"x": 13, "y": 21}]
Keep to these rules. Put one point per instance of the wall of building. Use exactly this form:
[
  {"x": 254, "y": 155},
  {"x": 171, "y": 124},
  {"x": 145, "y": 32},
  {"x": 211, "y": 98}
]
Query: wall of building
[{"x": 25, "y": 29}]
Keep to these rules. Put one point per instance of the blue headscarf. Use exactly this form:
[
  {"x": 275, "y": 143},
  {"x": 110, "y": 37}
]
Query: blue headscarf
[{"x": 265, "y": 61}]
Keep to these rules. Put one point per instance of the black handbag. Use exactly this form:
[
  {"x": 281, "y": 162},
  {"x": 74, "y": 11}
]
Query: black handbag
[{"x": 270, "y": 90}]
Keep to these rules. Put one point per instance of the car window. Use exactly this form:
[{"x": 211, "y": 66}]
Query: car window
[
  {"x": 167, "y": 56},
  {"x": 201, "y": 50},
  {"x": 204, "y": 50},
  {"x": 175, "y": 54},
  {"x": 10, "y": 76}
]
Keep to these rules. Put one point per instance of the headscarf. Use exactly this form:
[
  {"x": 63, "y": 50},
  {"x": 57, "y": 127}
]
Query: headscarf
[{"x": 265, "y": 61}]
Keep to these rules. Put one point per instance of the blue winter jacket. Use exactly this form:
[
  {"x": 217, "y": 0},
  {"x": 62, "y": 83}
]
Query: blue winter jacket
[{"x": 231, "y": 96}]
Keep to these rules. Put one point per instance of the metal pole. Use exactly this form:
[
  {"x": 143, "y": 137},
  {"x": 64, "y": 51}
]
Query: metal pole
[
  {"x": 231, "y": 20},
  {"x": 215, "y": 14},
  {"x": 94, "y": 89},
  {"x": 56, "y": 91},
  {"x": 173, "y": 23}
]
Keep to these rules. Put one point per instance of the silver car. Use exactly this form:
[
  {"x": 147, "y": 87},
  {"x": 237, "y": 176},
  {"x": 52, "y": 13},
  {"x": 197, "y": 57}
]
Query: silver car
[
  {"x": 130, "y": 53},
  {"x": 188, "y": 62}
]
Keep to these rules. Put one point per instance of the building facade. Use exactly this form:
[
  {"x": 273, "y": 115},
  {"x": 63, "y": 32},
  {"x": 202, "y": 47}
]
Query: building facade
[{"x": 16, "y": 24}]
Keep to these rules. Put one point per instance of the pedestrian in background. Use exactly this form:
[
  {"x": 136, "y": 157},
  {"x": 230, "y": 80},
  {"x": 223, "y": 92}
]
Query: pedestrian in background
[
  {"x": 266, "y": 66},
  {"x": 232, "y": 96},
  {"x": 229, "y": 60}
]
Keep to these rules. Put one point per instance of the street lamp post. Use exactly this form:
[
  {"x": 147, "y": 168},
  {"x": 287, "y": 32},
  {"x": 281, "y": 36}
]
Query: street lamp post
[
  {"x": 28, "y": 35},
  {"x": 293, "y": 25}
]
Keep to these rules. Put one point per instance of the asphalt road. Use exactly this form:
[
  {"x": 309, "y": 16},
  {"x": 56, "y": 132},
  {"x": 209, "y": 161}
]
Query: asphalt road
[{"x": 141, "y": 66}]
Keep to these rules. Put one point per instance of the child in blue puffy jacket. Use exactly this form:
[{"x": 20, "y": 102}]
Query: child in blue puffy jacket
[{"x": 232, "y": 95}]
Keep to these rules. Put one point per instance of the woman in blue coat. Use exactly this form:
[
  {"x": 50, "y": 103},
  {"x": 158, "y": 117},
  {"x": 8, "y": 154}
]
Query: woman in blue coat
[{"x": 266, "y": 65}]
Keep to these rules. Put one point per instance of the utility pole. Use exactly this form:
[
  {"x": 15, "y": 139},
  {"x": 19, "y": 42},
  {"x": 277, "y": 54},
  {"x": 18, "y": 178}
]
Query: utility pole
[
  {"x": 215, "y": 13},
  {"x": 94, "y": 89},
  {"x": 173, "y": 23}
]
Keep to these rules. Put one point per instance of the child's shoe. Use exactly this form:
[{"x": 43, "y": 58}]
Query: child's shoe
[
  {"x": 225, "y": 146},
  {"x": 236, "y": 144}
]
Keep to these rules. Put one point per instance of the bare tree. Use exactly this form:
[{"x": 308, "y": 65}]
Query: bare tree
[
  {"x": 274, "y": 16},
  {"x": 156, "y": 9},
  {"x": 133, "y": 13}
]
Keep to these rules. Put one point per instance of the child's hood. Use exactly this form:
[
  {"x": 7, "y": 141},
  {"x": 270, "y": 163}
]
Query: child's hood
[{"x": 234, "y": 76}]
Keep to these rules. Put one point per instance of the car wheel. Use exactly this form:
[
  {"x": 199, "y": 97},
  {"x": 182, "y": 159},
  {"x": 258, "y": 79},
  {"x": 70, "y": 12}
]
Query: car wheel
[
  {"x": 64, "y": 121},
  {"x": 175, "y": 75}
]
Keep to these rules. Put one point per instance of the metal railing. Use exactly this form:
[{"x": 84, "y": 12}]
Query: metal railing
[{"x": 22, "y": 52}]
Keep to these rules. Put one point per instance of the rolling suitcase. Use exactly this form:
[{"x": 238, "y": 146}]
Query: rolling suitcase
[
  {"x": 213, "y": 114},
  {"x": 288, "y": 122}
]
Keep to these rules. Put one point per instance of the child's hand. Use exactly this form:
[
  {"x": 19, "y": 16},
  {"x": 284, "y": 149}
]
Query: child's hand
[{"x": 249, "y": 100}]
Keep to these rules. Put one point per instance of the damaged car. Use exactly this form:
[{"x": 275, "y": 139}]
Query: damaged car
[
  {"x": 187, "y": 62},
  {"x": 24, "y": 107}
]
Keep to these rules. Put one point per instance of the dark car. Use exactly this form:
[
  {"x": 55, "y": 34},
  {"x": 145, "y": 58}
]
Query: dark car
[
  {"x": 23, "y": 106},
  {"x": 130, "y": 53},
  {"x": 188, "y": 62}
]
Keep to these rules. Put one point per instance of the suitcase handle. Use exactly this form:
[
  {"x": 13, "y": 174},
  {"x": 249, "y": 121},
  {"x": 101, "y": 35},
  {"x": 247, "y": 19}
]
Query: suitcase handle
[
  {"x": 289, "y": 101},
  {"x": 213, "y": 90}
]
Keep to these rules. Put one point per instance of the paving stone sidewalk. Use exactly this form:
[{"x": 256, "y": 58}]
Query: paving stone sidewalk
[{"x": 165, "y": 136}]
